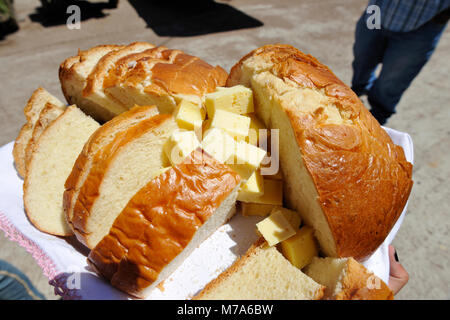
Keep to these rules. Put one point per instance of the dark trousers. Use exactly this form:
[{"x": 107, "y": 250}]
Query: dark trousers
[{"x": 402, "y": 56}]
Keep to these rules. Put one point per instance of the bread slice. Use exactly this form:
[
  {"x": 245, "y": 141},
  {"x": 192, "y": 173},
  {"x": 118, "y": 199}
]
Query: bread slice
[
  {"x": 163, "y": 222},
  {"x": 73, "y": 73},
  {"x": 328, "y": 140},
  {"x": 118, "y": 170},
  {"x": 346, "y": 279},
  {"x": 55, "y": 153},
  {"x": 163, "y": 77},
  {"x": 93, "y": 90},
  {"x": 32, "y": 110},
  {"x": 99, "y": 139},
  {"x": 262, "y": 274},
  {"x": 48, "y": 114}
]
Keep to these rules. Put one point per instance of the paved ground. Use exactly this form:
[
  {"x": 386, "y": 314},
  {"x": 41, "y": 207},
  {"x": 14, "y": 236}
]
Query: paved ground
[{"x": 30, "y": 58}]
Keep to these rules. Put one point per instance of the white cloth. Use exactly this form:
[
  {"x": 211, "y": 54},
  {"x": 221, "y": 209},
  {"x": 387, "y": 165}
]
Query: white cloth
[{"x": 63, "y": 261}]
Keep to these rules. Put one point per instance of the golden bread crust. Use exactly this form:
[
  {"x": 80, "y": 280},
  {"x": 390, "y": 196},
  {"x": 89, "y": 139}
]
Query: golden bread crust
[
  {"x": 160, "y": 221},
  {"x": 98, "y": 139},
  {"x": 360, "y": 284},
  {"x": 362, "y": 178},
  {"x": 99, "y": 160}
]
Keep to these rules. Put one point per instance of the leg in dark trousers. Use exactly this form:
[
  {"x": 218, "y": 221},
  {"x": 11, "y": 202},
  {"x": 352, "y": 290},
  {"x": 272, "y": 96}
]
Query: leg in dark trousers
[
  {"x": 405, "y": 55},
  {"x": 368, "y": 51}
]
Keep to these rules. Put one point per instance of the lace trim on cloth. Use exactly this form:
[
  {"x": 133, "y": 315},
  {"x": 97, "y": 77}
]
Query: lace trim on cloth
[{"x": 56, "y": 278}]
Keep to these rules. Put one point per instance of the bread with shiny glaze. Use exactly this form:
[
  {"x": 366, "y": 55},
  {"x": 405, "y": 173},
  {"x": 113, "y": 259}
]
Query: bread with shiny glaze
[
  {"x": 342, "y": 171},
  {"x": 117, "y": 171},
  {"x": 107, "y": 80},
  {"x": 164, "y": 221},
  {"x": 98, "y": 140}
]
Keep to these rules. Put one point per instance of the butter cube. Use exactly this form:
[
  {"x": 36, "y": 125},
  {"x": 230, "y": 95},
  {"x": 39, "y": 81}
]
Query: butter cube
[
  {"x": 253, "y": 187},
  {"x": 292, "y": 216},
  {"x": 237, "y": 99},
  {"x": 246, "y": 159},
  {"x": 180, "y": 145},
  {"x": 273, "y": 194},
  {"x": 253, "y": 132},
  {"x": 236, "y": 125},
  {"x": 256, "y": 209},
  {"x": 218, "y": 144},
  {"x": 188, "y": 115},
  {"x": 301, "y": 248},
  {"x": 275, "y": 228}
]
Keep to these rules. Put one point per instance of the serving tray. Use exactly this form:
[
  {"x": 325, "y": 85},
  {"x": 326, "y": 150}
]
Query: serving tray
[{"x": 63, "y": 260}]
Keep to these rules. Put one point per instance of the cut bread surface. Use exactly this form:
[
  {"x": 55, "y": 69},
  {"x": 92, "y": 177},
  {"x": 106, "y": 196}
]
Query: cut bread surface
[
  {"x": 32, "y": 110},
  {"x": 73, "y": 73},
  {"x": 118, "y": 170},
  {"x": 47, "y": 115},
  {"x": 55, "y": 153},
  {"x": 99, "y": 139},
  {"x": 164, "y": 222},
  {"x": 262, "y": 274},
  {"x": 328, "y": 139},
  {"x": 93, "y": 90}
]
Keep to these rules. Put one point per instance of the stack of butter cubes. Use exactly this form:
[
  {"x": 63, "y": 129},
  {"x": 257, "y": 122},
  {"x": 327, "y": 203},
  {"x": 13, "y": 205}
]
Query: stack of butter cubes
[{"x": 226, "y": 128}]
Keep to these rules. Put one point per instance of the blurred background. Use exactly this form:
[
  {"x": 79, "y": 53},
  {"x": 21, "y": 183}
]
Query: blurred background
[{"x": 34, "y": 44}]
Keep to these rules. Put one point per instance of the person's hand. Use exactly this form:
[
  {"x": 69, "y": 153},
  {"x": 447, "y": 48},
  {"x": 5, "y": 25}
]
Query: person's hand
[{"x": 398, "y": 276}]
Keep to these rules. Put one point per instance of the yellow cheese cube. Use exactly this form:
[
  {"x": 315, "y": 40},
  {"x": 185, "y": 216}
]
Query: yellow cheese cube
[
  {"x": 292, "y": 216},
  {"x": 301, "y": 248},
  {"x": 253, "y": 132},
  {"x": 180, "y": 145},
  {"x": 188, "y": 115},
  {"x": 237, "y": 99},
  {"x": 275, "y": 228},
  {"x": 256, "y": 209},
  {"x": 273, "y": 194},
  {"x": 253, "y": 187},
  {"x": 218, "y": 144},
  {"x": 236, "y": 125},
  {"x": 246, "y": 159}
]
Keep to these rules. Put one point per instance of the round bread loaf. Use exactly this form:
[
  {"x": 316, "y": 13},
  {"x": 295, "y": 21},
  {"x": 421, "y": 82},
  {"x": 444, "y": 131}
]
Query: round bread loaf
[{"x": 342, "y": 171}]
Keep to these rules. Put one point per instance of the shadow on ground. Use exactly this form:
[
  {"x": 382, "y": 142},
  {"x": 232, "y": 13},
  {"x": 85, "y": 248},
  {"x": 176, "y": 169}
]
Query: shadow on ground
[
  {"x": 53, "y": 13},
  {"x": 184, "y": 18}
]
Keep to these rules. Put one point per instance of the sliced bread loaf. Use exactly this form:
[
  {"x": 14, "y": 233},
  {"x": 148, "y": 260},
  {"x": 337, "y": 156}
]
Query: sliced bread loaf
[
  {"x": 48, "y": 114},
  {"x": 93, "y": 90},
  {"x": 73, "y": 73},
  {"x": 262, "y": 274},
  {"x": 328, "y": 140},
  {"x": 35, "y": 104},
  {"x": 346, "y": 279},
  {"x": 99, "y": 139},
  {"x": 51, "y": 162},
  {"x": 107, "y": 80},
  {"x": 163, "y": 222},
  {"x": 117, "y": 171}
]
